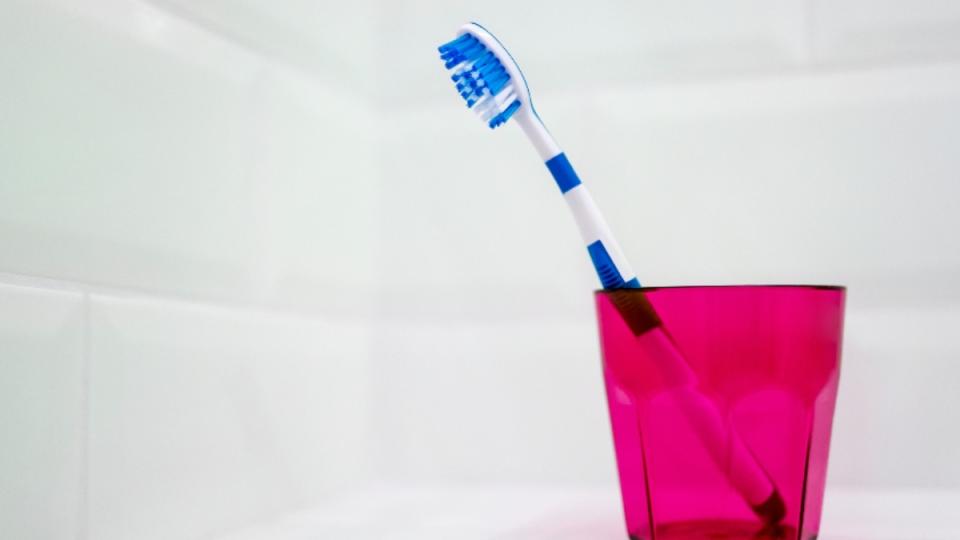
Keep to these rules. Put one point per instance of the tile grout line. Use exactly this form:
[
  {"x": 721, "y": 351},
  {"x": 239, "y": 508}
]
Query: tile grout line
[
  {"x": 810, "y": 32},
  {"x": 146, "y": 294},
  {"x": 83, "y": 522},
  {"x": 89, "y": 288},
  {"x": 251, "y": 46}
]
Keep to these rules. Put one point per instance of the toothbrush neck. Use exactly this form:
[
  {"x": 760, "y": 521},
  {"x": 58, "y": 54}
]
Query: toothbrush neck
[{"x": 546, "y": 146}]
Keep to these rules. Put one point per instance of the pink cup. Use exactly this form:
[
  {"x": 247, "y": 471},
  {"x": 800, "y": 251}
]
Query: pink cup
[{"x": 721, "y": 402}]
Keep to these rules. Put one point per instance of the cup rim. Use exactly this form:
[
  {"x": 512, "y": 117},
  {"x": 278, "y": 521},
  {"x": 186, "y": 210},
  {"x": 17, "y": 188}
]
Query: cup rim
[{"x": 841, "y": 288}]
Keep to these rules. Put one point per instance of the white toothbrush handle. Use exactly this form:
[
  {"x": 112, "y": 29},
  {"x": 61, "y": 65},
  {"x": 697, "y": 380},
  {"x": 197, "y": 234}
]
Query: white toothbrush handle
[
  {"x": 608, "y": 259},
  {"x": 545, "y": 144}
]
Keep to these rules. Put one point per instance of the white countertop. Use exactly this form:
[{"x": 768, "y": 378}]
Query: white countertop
[{"x": 531, "y": 513}]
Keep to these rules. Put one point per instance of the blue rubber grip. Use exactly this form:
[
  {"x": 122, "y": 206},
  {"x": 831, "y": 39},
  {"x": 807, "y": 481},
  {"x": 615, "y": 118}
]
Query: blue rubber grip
[
  {"x": 563, "y": 172},
  {"x": 610, "y": 277}
]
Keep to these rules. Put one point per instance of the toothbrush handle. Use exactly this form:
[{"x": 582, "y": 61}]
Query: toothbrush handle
[
  {"x": 608, "y": 259},
  {"x": 605, "y": 253}
]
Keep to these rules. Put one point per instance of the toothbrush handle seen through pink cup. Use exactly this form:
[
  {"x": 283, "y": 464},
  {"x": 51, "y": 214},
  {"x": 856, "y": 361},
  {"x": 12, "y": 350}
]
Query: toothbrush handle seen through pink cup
[{"x": 763, "y": 367}]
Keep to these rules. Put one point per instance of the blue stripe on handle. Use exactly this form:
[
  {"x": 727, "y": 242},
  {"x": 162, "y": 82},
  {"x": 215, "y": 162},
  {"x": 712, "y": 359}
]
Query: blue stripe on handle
[
  {"x": 610, "y": 277},
  {"x": 563, "y": 172}
]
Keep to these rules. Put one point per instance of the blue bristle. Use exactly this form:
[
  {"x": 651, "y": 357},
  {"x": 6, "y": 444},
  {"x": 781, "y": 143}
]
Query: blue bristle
[
  {"x": 486, "y": 60},
  {"x": 491, "y": 74},
  {"x": 474, "y": 51},
  {"x": 497, "y": 84},
  {"x": 488, "y": 66},
  {"x": 454, "y": 43},
  {"x": 511, "y": 109},
  {"x": 482, "y": 74},
  {"x": 505, "y": 115}
]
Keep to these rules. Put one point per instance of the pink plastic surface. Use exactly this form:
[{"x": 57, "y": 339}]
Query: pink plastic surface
[{"x": 744, "y": 402}]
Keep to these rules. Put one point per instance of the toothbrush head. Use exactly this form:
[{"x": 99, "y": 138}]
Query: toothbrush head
[{"x": 486, "y": 76}]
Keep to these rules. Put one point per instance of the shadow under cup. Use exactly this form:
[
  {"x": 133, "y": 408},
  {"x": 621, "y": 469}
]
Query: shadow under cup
[{"x": 721, "y": 402}]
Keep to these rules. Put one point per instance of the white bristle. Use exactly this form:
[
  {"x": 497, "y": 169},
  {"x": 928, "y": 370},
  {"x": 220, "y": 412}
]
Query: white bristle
[
  {"x": 506, "y": 97},
  {"x": 489, "y": 113},
  {"x": 485, "y": 103},
  {"x": 488, "y": 110}
]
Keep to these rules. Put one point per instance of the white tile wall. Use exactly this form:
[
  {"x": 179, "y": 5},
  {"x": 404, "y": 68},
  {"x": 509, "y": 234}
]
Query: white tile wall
[
  {"x": 117, "y": 155},
  {"x": 884, "y": 31},
  {"x": 491, "y": 402},
  {"x": 471, "y": 225},
  {"x": 845, "y": 177},
  {"x": 336, "y": 44},
  {"x": 315, "y": 198},
  {"x": 42, "y": 404},
  {"x": 896, "y": 418},
  {"x": 140, "y": 150},
  {"x": 204, "y": 419},
  {"x": 596, "y": 44},
  {"x": 204, "y": 189}
]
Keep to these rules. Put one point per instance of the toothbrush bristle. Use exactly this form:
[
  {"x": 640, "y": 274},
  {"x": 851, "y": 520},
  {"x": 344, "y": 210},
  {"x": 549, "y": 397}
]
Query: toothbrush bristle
[{"x": 480, "y": 79}]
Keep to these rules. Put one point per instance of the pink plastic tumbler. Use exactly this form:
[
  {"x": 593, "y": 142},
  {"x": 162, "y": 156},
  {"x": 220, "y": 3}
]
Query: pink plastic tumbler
[{"x": 720, "y": 395}]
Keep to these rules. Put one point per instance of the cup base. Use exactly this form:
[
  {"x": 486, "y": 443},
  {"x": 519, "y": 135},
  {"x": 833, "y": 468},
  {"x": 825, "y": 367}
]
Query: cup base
[{"x": 721, "y": 529}]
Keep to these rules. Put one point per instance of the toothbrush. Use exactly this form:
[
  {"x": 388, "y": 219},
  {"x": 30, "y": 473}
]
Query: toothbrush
[{"x": 490, "y": 81}]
